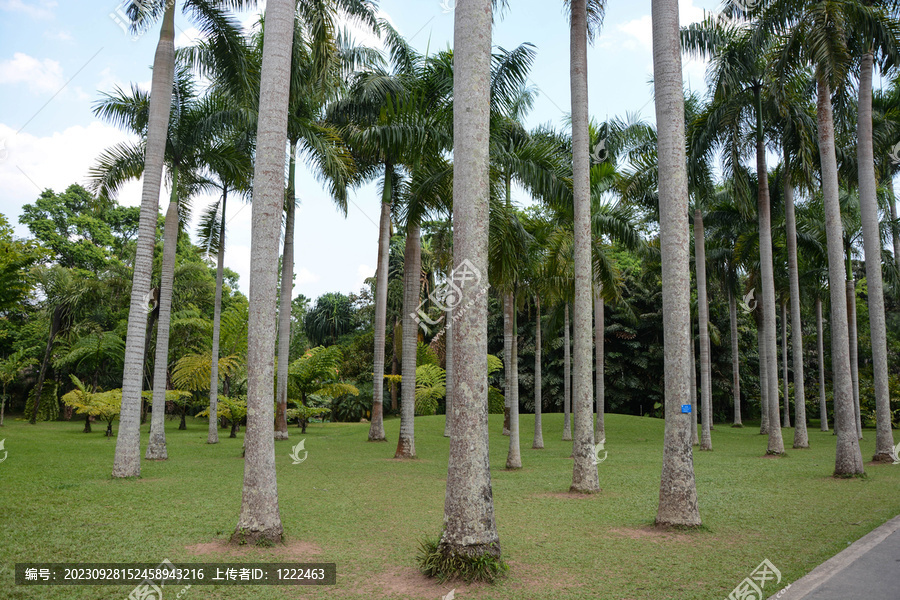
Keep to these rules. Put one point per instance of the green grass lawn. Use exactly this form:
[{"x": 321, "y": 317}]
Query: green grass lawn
[{"x": 351, "y": 504}]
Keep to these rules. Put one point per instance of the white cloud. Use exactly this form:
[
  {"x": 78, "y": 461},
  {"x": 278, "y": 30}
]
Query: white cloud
[
  {"x": 305, "y": 276},
  {"x": 187, "y": 37},
  {"x": 39, "y": 75},
  {"x": 638, "y": 33},
  {"x": 59, "y": 35},
  {"x": 363, "y": 272},
  {"x": 41, "y": 9}
]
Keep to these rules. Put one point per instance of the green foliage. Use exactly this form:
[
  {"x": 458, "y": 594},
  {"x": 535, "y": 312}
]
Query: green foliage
[
  {"x": 431, "y": 381},
  {"x": 49, "y": 409},
  {"x": 307, "y": 413},
  {"x": 330, "y": 318},
  {"x": 444, "y": 565},
  {"x": 193, "y": 372},
  {"x": 103, "y": 405},
  {"x": 16, "y": 259},
  {"x": 496, "y": 401},
  {"x": 228, "y": 408},
  {"x": 425, "y": 355}
]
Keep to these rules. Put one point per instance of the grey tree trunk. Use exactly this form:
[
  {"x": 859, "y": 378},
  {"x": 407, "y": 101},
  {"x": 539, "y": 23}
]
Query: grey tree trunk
[
  {"x": 470, "y": 530},
  {"x": 848, "y": 459},
  {"x": 260, "y": 520},
  {"x": 784, "y": 366},
  {"x": 801, "y": 436},
  {"x": 449, "y": 363},
  {"x": 538, "y": 443},
  {"x": 677, "y": 490},
  {"x": 213, "y": 434},
  {"x": 895, "y": 230},
  {"x": 156, "y": 448},
  {"x": 763, "y": 374},
  {"x": 695, "y": 437},
  {"x": 376, "y": 428},
  {"x": 567, "y": 376},
  {"x": 820, "y": 337},
  {"x": 584, "y": 471},
  {"x": 514, "y": 456},
  {"x": 406, "y": 443},
  {"x": 868, "y": 208},
  {"x": 507, "y": 358},
  {"x": 127, "y": 462},
  {"x": 703, "y": 326},
  {"x": 854, "y": 353},
  {"x": 284, "y": 308},
  {"x": 767, "y": 298},
  {"x": 735, "y": 359},
  {"x": 599, "y": 360}
]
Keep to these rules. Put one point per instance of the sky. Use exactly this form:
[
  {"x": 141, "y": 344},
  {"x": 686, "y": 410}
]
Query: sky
[{"x": 56, "y": 58}]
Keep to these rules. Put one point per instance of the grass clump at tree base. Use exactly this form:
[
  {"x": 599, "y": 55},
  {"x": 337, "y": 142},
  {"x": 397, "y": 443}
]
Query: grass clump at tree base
[{"x": 441, "y": 562}]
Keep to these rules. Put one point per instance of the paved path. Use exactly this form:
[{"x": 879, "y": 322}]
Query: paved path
[{"x": 869, "y": 569}]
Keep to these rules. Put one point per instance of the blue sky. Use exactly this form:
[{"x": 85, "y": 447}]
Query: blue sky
[{"x": 55, "y": 56}]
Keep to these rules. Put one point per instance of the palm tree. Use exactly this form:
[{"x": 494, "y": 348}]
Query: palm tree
[
  {"x": 677, "y": 492},
  {"x": 10, "y": 367},
  {"x": 470, "y": 530},
  {"x": 260, "y": 519}
]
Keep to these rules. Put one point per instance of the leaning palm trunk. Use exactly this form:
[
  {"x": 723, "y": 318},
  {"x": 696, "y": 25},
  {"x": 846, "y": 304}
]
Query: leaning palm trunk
[
  {"x": 854, "y": 353},
  {"x": 156, "y": 449},
  {"x": 801, "y": 436},
  {"x": 695, "y": 438},
  {"x": 784, "y": 366},
  {"x": 677, "y": 490},
  {"x": 820, "y": 338},
  {"x": 584, "y": 471},
  {"x": 848, "y": 459},
  {"x": 406, "y": 443},
  {"x": 514, "y": 455},
  {"x": 127, "y": 462},
  {"x": 868, "y": 208},
  {"x": 538, "y": 443},
  {"x": 507, "y": 358},
  {"x": 284, "y": 304},
  {"x": 703, "y": 326},
  {"x": 376, "y": 428},
  {"x": 599, "y": 332},
  {"x": 767, "y": 298},
  {"x": 449, "y": 362},
  {"x": 212, "y": 436},
  {"x": 567, "y": 377},
  {"x": 735, "y": 359},
  {"x": 260, "y": 520},
  {"x": 470, "y": 530}
]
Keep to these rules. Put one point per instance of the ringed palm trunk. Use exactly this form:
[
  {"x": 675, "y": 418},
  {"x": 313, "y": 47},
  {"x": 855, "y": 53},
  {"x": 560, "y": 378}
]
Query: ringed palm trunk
[
  {"x": 376, "y": 428},
  {"x": 260, "y": 520},
  {"x": 848, "y": 459},
  {"x": 820, "y": 338},
  {"x": 538, "y": 443},
  {"x": 449, "y": 362},
  {"x": 868, "y": 208},
  {"x": 677, "y": 491},
  {"x": 284, "y": 304},
  {"x": 406, "y": 444},
  {"x": 567, "y": 376},
  {"x": 801, "y": 436},
  {"x": 763, "y": 373},
  {"x": 156, "y": 449},
  {"x": 507, "y": 358},
  {"x": 784, "y": 366},
  {"x": 735, "y": 359},
  {"x": 213, "y": 434},
  {"x": 395, "y": 363},
  {"x": 854, "y": 353},
  {"x": 514, "y": 455},
  {"x": 695, "y": 438},
  {"x": 599, "y": 332},
  {"x": 767, "y": 299},
  {"x": 703, "y": 326},
  {"x": 892, "y": 201},
  {"x": 127, "y": 462},
  {"x": 469, "y": 529}
]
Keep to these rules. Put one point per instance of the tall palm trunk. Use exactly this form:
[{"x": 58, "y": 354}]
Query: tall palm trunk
[
  {"x": 507, "y": 358},
  {"x": 784, "y": 366},
  {"x": 56, "y": 324},
  {"x": 514, "y": 455},
  {"x": 376, "y": 428},
  {"x": 584, "y": 471},
  {"x": 538, "y": 443},
  {"x": 848, "y": 459},
  {"x": 127, "y": 462},
  {"x": 395, "y": 362},
  {"x": 895, "y": 229},
  {"x": 599, "y": 359},
  {"x": 156, "y": 449},
  {"x": 567, "y": 376},
  {"x": 260, "y": 520},
  {"x": 801, "y": 436},
  {"x": 735, "y": 359},
  {"x": 284, "y": 304},
  {"x": 406, "y": 443},
  {"x": 868, "y": 208},
  {"x": 820, "y": 338},
  {"x": 677, "y": 490},
  {"x": 470, "y": 530},
  {"x": 767, "y": 298},
  {"x": 213, "y": 434},
  {"x": 703, "y": 326},
  {"x": 763, "y": 374},
  {"x": 695, "y": 438},
  {"x": 854, "y": 353},
  {"x": 449, "y": 362}
]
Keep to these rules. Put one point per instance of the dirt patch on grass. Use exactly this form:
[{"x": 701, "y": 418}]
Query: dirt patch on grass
[
  {"x": 290, "y": 551},
  {"x": 408, "y": 582},
  {"x": 570, "y": 495},
  {"x": 651, "y": 532}
]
